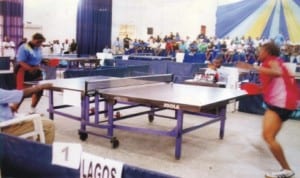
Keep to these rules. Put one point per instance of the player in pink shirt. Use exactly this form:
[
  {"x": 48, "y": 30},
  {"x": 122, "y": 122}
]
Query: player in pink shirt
[{"x": 280, "y": 95}]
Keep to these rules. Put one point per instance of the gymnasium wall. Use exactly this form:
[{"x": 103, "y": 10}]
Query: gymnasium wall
[
  {"x": 164, "y": 16},
  {"x": 57, "y": 18}
]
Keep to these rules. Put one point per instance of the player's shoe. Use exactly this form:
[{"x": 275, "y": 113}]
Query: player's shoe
[{"x": 281, "y": 174}]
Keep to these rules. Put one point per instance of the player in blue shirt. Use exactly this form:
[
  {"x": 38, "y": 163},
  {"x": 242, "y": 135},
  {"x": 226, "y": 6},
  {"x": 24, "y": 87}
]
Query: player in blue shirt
[{"x": 29, "y": 58}]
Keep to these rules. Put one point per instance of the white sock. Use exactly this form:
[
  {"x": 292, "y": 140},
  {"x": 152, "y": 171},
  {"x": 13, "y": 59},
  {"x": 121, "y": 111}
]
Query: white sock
[{"x": 32, "y": 110}]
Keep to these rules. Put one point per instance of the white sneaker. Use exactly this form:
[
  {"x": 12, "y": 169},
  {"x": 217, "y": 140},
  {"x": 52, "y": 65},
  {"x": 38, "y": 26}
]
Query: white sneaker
[
  {"x": 281, "y": 174},
  {"x": 32, "y": 111}
]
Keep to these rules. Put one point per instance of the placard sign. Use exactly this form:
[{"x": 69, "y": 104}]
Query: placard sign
[
  {"x": 66, "y": 154},
  {"x": 96, "y": 167}
]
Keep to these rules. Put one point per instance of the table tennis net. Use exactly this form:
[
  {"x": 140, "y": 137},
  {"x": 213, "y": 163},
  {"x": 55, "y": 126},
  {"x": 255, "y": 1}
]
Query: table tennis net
[{"x": 96, "y": 85}]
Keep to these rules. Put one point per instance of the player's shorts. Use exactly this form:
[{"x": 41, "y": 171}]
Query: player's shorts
[{"x": 283, "y": 113}]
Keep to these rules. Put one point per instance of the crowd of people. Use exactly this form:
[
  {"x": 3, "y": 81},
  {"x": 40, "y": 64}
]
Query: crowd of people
[
  {"x": 245, "y": 48},
  {"x": 9, "y": 47}
]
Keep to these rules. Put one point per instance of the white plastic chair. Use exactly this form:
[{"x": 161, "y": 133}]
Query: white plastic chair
[{"x": 37, "y": 124}]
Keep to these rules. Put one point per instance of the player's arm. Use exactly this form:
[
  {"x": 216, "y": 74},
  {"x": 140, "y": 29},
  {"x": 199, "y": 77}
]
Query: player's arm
[
  {"x": 29, "y": 91},
  {"x": 274, "y": 69}
]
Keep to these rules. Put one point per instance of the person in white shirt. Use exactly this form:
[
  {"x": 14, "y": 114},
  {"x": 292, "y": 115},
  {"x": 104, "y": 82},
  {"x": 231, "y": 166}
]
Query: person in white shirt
[
  {"x": 117, "y": 46},
  {"x": 8, "y": 48},
  {"x": 106, "y": 49},
  {"x": 57, "y": 48},
  {"x": 213, "y": 67},
  {"x": 66, "y": 47}
]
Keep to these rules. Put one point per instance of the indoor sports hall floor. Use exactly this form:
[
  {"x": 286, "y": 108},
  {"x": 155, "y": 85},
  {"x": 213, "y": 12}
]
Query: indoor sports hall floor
[{"x": 242, "y": 152}]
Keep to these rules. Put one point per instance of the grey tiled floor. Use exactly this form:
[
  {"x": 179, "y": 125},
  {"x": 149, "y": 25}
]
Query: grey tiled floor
[{"x": 242, "y": 152}]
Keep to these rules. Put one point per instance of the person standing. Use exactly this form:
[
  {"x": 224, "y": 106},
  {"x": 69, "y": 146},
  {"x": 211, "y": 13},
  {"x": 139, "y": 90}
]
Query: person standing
[
  {"x": 280, "y": 95},
  {"x": 73, "y": 47},
  {"x": 29, "y": 58},
  {"x": 126, "y": 43},
  {"x": 9, "y": 48},
  {"x": 8, "y": 97}
]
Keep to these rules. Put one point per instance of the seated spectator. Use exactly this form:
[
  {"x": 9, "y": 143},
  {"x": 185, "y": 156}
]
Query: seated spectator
[
  {"x": 182, "y": 47},
  {"x": 212, "y": 68},
  {"x": 209, "y": 50},
  {"x": 8, "y": 97},
  {"x": 193, "y": 48},
  {"x": 169, "y": 47},
  {"x": 106, "y": 49}
]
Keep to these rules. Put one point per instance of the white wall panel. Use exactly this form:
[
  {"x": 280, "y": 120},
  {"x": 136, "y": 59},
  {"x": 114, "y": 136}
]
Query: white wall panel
[
  {"x": 58, "y": 17},
  {"x": 165, "y": 16}
]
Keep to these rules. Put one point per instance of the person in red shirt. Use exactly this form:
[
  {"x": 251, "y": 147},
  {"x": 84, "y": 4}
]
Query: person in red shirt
[{"x": 280, "y": 94}]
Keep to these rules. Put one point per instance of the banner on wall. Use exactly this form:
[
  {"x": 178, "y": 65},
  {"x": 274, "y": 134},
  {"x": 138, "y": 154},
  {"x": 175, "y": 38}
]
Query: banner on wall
[{"x": 259, "y": 19}]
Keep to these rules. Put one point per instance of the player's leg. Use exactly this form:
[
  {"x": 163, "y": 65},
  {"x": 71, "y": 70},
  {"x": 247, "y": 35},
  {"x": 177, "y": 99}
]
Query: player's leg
[{"x": 271, "y": 126}]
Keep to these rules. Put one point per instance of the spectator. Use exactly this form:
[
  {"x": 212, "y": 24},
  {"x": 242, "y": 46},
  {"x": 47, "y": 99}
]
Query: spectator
[
  {"x": 117, "y": 46},
  {"x": 126, "y": 42},
  {"x": 106, "y": 49},
  {"x": 212, "y": 68},
  {"x": 66, "y": 47},
  {"x": 73, "y": 46},
  {"x": 9, "y": 48},
  {"x": 8, "y": 97},
  {"x": 57, "y": 48}
]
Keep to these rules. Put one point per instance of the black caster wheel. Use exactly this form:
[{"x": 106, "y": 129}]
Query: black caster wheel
[
  {"x": 150, "y": 118},
  {"x": 83, "y": 136},
  {"x": 114, "y": 142},
  {"x": 117, "y": 115}
]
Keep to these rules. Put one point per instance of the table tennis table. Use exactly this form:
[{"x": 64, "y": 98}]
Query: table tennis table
[
  {"x": 183, "y": 99},
  {"x": 87, "y": 98},
  {"x": 155, "y": 92},
  {"x": 73, "y": 61}
]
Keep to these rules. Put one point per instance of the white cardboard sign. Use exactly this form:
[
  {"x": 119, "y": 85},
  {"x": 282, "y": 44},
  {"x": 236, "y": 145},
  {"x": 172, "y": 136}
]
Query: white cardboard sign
[{"x": 94, "y": 166}]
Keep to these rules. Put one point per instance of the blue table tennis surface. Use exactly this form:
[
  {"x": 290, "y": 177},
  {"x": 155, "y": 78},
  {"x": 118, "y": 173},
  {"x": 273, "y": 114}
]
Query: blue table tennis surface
[
  {"x": 75, "y": 84},
  {"x": 173, "y": 96}
]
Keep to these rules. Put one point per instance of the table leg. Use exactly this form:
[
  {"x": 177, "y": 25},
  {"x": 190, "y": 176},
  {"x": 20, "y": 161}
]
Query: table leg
[
  {"x": 51, "y": 103},
  {"x": 96, "y": 109},
  {"x": 223, "y": 119},
  {"x": 179, "y": 118},
  {"x": 84, "y": 112},
  {"x": 110, "y": 113}
]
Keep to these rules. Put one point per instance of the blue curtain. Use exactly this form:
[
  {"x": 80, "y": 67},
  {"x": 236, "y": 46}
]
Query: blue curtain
[
  {"x": 12, "y": 12},
  {"x": 229, "y": 16},
  {"x": 283, "y": 25},
  {"x": 297, "y": 2},
  {"x": 266, "y": 32},
  {"x": 94, "y": 20}
]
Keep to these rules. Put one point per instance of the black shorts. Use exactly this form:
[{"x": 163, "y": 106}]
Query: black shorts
[
  {"x": 283, "y": 113},
  {"x": 33, "y": 76},
  {"x": 30, "y": 76}
]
